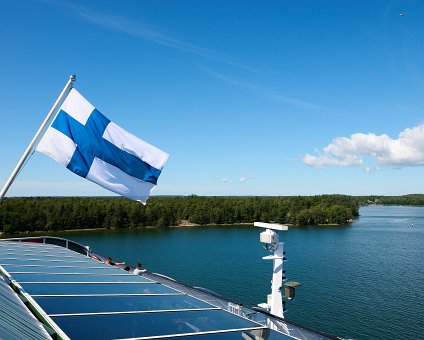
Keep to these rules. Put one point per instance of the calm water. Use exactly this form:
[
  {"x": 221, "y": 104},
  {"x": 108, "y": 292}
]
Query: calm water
[{"x": 362, "y": 281}]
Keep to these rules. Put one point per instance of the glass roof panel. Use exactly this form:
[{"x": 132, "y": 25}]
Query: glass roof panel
[
  {"x": 50, "y": 262},
  {"x": 44, "y": 256},
  {"x": 41, "y": 264},
  {"x": 24, "y": 248},
  {"x": 149, "y": 324},
  {"x": 13, "y": 312},
  {"x": 63, "y": 251},
  {"x": 97, "y": 304},
  {"x": 79, "y": 278},
  {"x": 100, "y": 288},
  {"x": 257, "y": 334},
  {"x": 27, "y": 245},
  {"x": 85, "y": 269}
]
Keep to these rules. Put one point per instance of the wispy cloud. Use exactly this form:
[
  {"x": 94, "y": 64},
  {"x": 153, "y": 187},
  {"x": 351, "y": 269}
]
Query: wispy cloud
[
  {"x": 146, "y": 32},
  {"x": 405, "y": 151},
  {"x": 242, "y": 179},
  {"x": 264, "y": 92},
  {"x": 246, "y": 178}
]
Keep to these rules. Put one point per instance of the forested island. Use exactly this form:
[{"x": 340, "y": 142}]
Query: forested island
[{"x": 68, "y": 213}]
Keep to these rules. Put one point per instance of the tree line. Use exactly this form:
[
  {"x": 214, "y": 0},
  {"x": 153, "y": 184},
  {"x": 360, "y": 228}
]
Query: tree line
[
  {"x": 64, "y": 213},
  {"x": 412, "y": 199}
]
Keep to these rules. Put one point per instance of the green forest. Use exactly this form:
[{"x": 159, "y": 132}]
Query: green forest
[{"x": 67, "y": 213}]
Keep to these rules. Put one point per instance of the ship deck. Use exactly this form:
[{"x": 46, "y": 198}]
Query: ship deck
[{"x": 79, "y": 297}]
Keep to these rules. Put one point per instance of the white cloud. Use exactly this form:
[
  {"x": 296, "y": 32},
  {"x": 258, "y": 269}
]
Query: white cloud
[
  {"x": 242, "y": 179},
  {"x": 406, "y": 150},
  {"x": 246, "y": 178}
]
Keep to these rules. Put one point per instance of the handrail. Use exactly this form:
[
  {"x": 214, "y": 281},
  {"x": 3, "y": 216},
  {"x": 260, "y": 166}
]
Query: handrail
[{"x": 58, "y": 241}]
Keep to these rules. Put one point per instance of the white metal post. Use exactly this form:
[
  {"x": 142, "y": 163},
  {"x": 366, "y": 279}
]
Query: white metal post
[
  {"x": 277, "y": 282},
  {"x": 274, "y": 303},
  {"x": 21, "y": 162}
]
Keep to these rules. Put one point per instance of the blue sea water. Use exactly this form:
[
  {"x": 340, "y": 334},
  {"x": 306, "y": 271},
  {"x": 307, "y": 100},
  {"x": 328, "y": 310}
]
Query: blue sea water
[{"x": 361, "y": 281}]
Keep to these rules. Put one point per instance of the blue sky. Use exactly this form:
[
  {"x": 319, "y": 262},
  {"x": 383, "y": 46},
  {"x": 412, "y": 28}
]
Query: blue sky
[{"x": 247, "y": 97}]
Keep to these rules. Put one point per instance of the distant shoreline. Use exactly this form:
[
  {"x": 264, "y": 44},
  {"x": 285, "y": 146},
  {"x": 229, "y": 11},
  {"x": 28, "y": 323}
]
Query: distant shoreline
[{"x": 184, "y": 224}]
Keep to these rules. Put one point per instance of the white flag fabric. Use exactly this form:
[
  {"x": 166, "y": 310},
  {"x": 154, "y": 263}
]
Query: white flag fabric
[{"x": 93, "y": 147}]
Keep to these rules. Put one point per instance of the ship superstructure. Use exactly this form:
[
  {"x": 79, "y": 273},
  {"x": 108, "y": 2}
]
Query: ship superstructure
[{"x": 76, "y": 296}]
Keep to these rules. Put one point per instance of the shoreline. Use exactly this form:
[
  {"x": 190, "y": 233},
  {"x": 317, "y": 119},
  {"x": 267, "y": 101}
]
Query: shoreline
[{"x": 183, "y": 224}]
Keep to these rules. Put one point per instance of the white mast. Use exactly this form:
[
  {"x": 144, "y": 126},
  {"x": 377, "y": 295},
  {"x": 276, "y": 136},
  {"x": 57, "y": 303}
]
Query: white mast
[
  {"x": 270, "y": 237},
  {"x": 276, "y": 300},
  {"x": 21, "y": 162}
]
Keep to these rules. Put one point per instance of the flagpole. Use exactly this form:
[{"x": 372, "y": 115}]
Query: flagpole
[{"x": 21, "y": 162}]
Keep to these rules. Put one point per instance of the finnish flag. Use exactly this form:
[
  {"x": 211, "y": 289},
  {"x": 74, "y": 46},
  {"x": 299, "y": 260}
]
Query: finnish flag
[{"x": 93, "y": 147}]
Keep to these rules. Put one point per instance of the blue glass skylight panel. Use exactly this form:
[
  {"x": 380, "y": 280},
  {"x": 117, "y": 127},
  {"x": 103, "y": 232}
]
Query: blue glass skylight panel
[
  {"x": 47, "y": 262},
  {"x": 28, "y": 266},
  {"x": 45, "y": 256},
  {"x": 148, "y": 324},
  {"x": 30, "y": 246},
  {"x": 99, "y": 288},
  {"x": 11, "y": 268},
  {"x": 98, "y": 304},
  {"x": 27, "y": 245},
  {"x": 37, "y": 248},
  {"x": 120, "y": 277},
  {"x": 16, "y": 321},
  {"x": 257, "y": 334},
  {"x": 37, "y": 251}
]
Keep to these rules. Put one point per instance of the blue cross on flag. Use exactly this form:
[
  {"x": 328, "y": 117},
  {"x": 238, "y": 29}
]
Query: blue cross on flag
[{"x": 93, "y": 147}]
